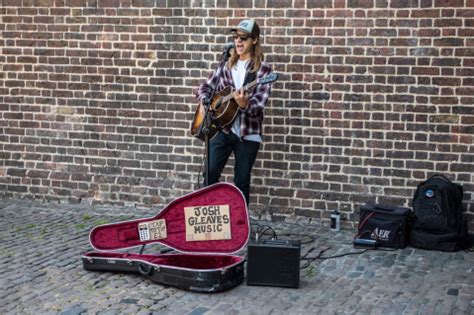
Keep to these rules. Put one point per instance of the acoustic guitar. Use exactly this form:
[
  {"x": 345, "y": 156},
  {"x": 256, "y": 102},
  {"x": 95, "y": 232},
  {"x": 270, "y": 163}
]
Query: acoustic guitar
[{"x": 223, "y": 109}]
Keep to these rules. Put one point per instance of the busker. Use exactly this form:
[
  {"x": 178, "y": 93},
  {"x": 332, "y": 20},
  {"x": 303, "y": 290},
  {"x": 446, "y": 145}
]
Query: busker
[{"x": 244, "y": 135}]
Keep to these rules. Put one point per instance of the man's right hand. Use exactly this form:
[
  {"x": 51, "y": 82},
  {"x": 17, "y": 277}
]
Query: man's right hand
[{"x": 202, "y": 109}]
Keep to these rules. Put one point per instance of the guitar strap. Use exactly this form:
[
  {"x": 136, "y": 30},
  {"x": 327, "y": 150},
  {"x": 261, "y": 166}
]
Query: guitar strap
[
  {"x": 220, "y": 67},
  {"x": 249, "y": 77}
]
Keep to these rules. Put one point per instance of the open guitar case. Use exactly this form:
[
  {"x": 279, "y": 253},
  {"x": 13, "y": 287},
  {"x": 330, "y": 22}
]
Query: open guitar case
[{"x": 205, "y": 229}]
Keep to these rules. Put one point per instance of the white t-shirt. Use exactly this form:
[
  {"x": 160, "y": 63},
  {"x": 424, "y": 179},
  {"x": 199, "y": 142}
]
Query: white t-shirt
[{"x": 238, "y": 75}]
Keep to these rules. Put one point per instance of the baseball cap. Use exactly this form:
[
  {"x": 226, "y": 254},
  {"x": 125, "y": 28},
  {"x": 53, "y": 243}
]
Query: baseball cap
[{"x": 248, "y": 26}]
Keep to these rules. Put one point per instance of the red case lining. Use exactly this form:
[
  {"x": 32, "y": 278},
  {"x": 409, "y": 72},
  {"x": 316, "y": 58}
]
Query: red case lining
[{"x": 125, "y": 234}]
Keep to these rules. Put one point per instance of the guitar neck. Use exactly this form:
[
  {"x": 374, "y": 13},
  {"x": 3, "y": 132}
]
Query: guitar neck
[{"x": 246, "y": 87}]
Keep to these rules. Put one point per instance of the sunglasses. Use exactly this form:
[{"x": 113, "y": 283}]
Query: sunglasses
[{"x": 242, "y": 37}]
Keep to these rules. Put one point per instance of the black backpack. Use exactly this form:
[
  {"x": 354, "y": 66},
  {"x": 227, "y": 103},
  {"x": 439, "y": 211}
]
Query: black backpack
[{"x": 438, "y": 223}]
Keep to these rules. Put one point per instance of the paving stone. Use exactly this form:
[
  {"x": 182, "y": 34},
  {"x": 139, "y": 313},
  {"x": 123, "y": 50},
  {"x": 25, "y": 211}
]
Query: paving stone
[
  {"x": 75, "y": 310},
  {"x": 453, "y": 292},
  {"x": 129, "y": 301},
  {"x": 199, "y": 311},
  {"x": 42, "y": 273}
]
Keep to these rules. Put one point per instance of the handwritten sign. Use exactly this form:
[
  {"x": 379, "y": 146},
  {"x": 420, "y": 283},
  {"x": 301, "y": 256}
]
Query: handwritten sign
[
  {"x": 204, "y": 223},
  {"x": 152, "y": 230}
]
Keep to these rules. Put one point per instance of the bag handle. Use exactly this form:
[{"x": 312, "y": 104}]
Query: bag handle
[
  {"x": 384, "y": 207},
  {"x": 361, "y": 224},
  {"x": 441, "y": 176},
  {"x": 459, "y": 188}
]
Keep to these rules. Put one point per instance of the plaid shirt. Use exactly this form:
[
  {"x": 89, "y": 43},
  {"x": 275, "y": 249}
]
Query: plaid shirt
[{"x": 251, "y": 118}]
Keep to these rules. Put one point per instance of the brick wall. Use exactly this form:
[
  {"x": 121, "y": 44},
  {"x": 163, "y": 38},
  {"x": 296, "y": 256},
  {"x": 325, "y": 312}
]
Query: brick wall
[{"x": 374, "y": 96}]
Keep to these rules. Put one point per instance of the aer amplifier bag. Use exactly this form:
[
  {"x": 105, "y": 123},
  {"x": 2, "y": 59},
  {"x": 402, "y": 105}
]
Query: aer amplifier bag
[
  {"x": 205, "y": 228},
  {"x": 387, "y": 225}
]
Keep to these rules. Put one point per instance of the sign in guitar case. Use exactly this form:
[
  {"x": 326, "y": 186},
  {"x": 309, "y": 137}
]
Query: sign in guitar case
[{"x": 205, "y": 228}]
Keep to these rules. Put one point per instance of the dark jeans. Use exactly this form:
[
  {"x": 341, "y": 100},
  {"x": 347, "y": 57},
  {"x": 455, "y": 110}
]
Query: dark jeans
[{"x": 245, "y": 153}]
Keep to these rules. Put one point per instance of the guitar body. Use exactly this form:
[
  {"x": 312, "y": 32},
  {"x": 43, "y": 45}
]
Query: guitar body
[
  {"x": 224, "y": 111},
  {"x": 197, "y": 126},
  {"x": 223, "y": 114}
]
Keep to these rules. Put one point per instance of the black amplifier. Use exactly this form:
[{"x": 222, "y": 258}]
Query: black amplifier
[{"x": 274, "y": 263}]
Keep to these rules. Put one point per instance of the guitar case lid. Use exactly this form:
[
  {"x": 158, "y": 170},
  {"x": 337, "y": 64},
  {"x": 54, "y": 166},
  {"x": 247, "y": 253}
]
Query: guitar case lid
[{"x": 211, "y": 220}]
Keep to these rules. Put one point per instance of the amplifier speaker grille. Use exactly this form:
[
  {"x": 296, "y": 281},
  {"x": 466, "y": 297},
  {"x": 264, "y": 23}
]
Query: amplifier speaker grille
[{"x": 274, "y": 263}]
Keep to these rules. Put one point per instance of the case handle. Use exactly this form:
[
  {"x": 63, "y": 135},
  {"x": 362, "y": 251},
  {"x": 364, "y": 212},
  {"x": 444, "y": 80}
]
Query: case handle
[
  {"x": 144, "y": 270},
  {"x": 274, "y": 242}
]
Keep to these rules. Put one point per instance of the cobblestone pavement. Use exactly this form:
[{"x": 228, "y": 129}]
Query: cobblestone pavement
[{"x": 41, "y": 273}]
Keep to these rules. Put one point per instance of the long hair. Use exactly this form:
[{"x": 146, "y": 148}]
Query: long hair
[{"x": 256, "y": 57}]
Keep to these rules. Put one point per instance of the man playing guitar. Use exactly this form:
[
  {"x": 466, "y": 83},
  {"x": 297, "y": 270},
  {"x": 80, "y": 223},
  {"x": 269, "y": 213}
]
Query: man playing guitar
[{"x": 244, "y": 135}]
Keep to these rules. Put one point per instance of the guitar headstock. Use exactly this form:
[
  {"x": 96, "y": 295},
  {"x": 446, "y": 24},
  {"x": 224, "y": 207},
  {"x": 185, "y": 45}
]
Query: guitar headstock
[{"x": 268, "y": 79}]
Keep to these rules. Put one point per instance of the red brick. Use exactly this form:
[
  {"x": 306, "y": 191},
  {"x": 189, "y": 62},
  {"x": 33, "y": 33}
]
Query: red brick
[
  {"x": 449, "y": 3},
  {"x": 103, "y": 97}
]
